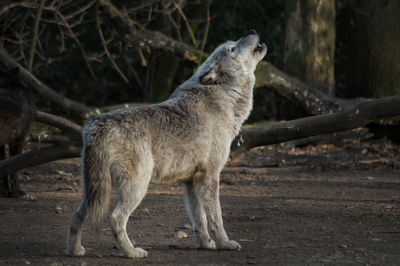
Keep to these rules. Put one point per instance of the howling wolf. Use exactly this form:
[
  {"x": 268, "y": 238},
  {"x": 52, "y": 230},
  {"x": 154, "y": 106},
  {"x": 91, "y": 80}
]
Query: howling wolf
[{"x": 185, "y": 139}]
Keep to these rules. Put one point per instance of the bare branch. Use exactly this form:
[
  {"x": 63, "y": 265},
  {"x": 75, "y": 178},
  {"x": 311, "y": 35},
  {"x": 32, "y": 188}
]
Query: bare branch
[
  {"x": 75, "y": 38},
  {"x": 179, "y": 8},
  {"x": 155, "y": 40},
  {"x": 203, "y": 42},
  {"x": 69, "y": 128},
  {"x": 11, "y": 5},
  {"x": 129, "y": 66},
  {"x": 310, "y": 99},
  {"x": 177, "y": 28},
  {"x": 45, "y": 138},
  {"x": 80, "y": 10},
  {"x": 35, "y": 35},
  {"x": 98, "y": 25},
  {"x": 44, "y": 90}
]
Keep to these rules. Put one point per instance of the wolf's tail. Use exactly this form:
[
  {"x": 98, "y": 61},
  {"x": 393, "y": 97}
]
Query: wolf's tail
[{"x": 96, "y": 180}]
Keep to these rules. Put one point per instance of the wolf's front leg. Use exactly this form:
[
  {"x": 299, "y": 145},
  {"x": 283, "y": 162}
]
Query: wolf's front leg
[
  {"x": 208, "y": 193},
  {"x": 198, "y": 218}
]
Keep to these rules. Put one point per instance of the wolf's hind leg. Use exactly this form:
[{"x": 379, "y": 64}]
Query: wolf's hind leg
[
  {"x": 208, "y": 193},
  {"x": 74, "y": 247},
  {"x": 131, "y": 192},
  {"x": 198, "y": 218}
]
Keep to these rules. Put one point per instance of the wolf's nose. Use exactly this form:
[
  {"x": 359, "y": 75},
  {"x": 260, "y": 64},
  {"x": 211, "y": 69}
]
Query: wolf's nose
[{"x": 251, "y": 32}]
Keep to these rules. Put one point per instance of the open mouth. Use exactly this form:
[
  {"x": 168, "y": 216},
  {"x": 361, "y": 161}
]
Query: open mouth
[{"x": 258, "y": 48}]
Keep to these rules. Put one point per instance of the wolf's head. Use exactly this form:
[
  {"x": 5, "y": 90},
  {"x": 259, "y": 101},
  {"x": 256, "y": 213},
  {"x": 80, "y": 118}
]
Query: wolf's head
[{"x": 233, "y": 62}]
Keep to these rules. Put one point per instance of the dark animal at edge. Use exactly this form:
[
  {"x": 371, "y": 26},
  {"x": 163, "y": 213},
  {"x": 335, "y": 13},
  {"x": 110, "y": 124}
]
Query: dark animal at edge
[{"x": 17, "y": 108}]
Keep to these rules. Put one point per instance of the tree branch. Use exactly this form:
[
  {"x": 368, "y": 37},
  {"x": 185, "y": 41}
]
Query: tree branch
[
  {"x": 35, "y": 35},
  {"x": 43, "y": 90},
  {"x": 40, "y": 156},
  {"x": 310, "y": 99},
  {"x": 75, "y": 38},
  {"x": 155, "y": 40},
  {"x": 55, "y": 139},
  {"x": 180, "y": 11},
  {"x": 69, "y": 128},
  {"x": 203, "y": 42},
  {"x": 103, "y": 41}
]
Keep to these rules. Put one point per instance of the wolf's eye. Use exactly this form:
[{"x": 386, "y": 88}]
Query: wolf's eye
[{"x": 232, "y": 49}]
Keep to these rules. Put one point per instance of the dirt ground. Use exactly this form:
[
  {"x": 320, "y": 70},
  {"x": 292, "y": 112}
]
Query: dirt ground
[{"x": 323, "y": 205}]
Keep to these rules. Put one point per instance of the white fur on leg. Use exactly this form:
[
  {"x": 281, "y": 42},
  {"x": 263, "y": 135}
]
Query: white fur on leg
[
  {"x": 198, "y": 219},
  {"x": 118, "y": 227},
  {"x": 74, "y": 247},
  {"x": 131, "y": 192},
  {"x": 208, "y": 193}
]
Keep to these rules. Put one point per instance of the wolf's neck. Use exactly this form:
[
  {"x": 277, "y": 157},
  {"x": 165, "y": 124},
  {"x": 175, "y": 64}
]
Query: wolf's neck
[
  {"x": 231, "y": 106},
  {"x": 242, "y": 108}
]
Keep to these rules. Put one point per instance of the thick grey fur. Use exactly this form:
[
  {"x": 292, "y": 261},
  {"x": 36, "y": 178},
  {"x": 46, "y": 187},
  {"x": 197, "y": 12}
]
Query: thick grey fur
[{"x": 185, "y": 139}]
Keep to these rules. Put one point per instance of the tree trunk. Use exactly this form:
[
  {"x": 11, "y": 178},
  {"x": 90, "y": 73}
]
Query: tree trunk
[
  {"x": 310, "y": 42},
  {"x": 369, "y": 48}
]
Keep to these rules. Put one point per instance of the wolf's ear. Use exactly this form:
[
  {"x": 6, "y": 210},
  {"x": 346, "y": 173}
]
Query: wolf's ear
[{"x": 209, "y": 76}]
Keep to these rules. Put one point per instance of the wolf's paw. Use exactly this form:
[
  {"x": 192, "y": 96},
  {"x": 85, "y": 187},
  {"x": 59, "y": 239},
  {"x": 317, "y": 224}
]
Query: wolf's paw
[
  {"x": 210, "y": 244},
  {"x": 76, "y": 251},
  {"x": 136, "y": 253},
  {"x": 230, "y": 245}
]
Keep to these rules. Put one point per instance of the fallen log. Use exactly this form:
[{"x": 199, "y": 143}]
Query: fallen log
[
  {"x": 69, "y": 128},
  {"x": 357, "y": 116},
  {"x": 310, "y": 99},
  {"x": 39, "y": 156}
]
